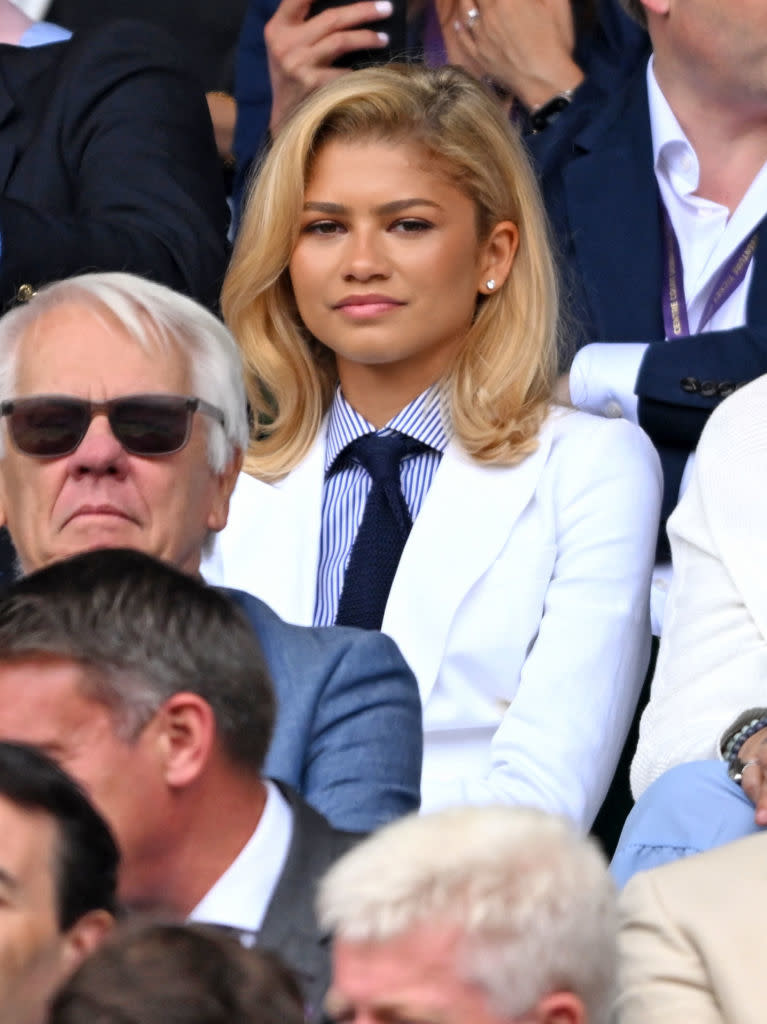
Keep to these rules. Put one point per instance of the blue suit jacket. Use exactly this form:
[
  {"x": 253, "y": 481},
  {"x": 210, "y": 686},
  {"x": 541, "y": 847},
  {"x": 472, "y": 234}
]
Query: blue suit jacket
[
  {"x": 348, "y": 735},
  {"x": 596, "y": 169}
]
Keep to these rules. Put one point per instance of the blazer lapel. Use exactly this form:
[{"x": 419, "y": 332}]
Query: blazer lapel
[
  {"x": 8, "y": 149},
  {"x": 463, "y": 525},
  {"x": 270, "y": 545},
  {"x": 757, "y": 295},
  {"x": 612, "y": 208},
  {"x": 290, "y": 925},
  {"x": 22, "y": 70},
  {"x": 293, "y": 536}
]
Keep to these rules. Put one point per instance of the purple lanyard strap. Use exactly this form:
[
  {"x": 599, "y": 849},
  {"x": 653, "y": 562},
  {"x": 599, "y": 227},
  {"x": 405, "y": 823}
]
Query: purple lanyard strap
[{"x": 731, "y": 275}]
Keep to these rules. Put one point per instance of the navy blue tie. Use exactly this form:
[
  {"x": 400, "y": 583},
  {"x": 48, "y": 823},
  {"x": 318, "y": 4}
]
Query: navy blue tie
[{"x": 383, "y": 531}]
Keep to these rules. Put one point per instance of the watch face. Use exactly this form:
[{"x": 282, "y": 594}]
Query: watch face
[{"x": 549, "y": 111}]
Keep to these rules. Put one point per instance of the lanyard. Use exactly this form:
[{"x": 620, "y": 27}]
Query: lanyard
[{"x": 729, "y": 278}]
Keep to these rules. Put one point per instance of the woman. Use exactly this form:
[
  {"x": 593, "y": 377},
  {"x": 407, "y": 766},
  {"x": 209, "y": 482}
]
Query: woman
[{"x": 393, "y": 274}]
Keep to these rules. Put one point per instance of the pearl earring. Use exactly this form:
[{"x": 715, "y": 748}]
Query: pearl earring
[{"x": 490, "y": 285}]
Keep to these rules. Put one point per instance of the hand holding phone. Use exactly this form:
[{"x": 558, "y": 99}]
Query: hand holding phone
[
  {"x": 303, "y": 48},
  {"x": 394, "y": 26}
]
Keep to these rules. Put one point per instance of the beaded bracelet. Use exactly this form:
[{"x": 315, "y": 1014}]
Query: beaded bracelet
[{"x": 734, "y": 744}]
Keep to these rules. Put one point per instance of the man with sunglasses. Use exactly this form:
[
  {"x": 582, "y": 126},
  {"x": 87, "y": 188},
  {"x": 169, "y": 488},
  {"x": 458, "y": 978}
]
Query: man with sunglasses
[{"x": 124, "y": 420}]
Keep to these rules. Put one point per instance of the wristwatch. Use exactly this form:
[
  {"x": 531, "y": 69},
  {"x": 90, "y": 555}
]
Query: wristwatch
[{"x": 550, "y": 110}]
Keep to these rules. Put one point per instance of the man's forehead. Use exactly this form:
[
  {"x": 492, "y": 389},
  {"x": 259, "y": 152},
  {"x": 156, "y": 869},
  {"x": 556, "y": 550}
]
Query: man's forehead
[
  {"x": 85, "y": 331},
  {"x": 39, "y": 677},
  {"x": 44, "y": 702}
]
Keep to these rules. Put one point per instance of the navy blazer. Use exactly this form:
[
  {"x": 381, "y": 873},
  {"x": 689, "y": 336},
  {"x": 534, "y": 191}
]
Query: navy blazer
[
  {"x": 107, "y": 162},
  {"x": 596, "y": 171},
  {"x": 348, "y": 735}
]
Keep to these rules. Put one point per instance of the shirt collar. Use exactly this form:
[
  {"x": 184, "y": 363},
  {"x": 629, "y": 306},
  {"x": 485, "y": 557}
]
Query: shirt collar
[
  {"x": 673, "y": 156},
  {"x": 241, "y": 895},
  {"x": 423, "y": 419}
]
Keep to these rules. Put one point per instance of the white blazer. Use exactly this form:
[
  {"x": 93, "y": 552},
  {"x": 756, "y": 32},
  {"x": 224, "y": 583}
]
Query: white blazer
[
  {"x": 520, "y": 602},
  {"x": 712, "y": 663}
]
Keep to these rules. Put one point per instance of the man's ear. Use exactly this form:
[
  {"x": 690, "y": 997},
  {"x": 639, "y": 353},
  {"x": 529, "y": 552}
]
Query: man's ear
[
  {"x": 560, "y": 1008},
  {"x": 85, "y": 935},
  {"x": 184, "y": 730},
  {"x": 224, "y": 485},
  {"x": 656, "y": 6}
]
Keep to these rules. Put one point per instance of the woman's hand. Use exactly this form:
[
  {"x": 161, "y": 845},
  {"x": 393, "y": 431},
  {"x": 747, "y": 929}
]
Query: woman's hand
[
  {"x": 525, "y": 46},
  {"x": 301, "y": 50}
]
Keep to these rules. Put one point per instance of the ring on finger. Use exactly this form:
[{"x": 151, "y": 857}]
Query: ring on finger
[{"x": 472, "y": 17}]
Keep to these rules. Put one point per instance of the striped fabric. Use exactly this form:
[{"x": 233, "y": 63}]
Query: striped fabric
[{"x": 345, "y": 492}]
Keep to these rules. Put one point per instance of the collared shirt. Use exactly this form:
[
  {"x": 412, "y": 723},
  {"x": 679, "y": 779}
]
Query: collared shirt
[
  {"x": 708, "y": 233},
  {"x": 42, "y": 32},
  {"x": 604, "y": 374},
  {"x": 345, "y": 492},
  {"x": 241, "y": 895}
]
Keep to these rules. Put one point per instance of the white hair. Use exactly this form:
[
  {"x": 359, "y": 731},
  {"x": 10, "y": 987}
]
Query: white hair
[
  {"x": 532, "y": 898},
  {"x": 156, "y": 318}
]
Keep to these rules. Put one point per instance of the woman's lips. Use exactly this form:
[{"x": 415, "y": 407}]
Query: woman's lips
[{"x": 363, "y": 307}]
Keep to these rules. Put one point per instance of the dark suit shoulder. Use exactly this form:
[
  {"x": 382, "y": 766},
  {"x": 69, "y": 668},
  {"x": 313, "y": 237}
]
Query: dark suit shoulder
[{"x": 290, "y": 925}]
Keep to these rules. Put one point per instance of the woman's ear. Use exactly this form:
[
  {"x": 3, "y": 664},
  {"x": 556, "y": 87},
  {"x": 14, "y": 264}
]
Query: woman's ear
[{"x": 498, "y": 254}]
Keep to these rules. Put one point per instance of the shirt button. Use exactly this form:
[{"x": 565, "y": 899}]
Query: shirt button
[
  {"x": 661, "y": 585},
  {"x": 613, "y": 410}
]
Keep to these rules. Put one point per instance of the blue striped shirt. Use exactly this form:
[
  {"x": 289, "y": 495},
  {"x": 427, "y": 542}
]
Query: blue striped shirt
[{"x": 345, "y": 492}]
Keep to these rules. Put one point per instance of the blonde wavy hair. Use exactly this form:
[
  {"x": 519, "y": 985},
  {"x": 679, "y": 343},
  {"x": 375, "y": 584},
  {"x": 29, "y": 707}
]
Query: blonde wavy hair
[{"x": 499, "y": 388}]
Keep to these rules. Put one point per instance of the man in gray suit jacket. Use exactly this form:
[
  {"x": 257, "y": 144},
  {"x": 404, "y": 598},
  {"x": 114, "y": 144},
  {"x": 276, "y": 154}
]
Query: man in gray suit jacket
[
  {"x": 124, "y": 425},
  {"x": 150, "y": 688}
]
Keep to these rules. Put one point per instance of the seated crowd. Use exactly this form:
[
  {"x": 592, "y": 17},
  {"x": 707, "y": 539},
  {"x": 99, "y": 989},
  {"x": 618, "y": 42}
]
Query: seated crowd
[{"x": 343, "y": 579}]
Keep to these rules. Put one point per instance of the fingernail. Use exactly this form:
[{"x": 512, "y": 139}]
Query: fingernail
[
  {"x": 384, "y": 37},
  {"x": 384, "y": 7}
]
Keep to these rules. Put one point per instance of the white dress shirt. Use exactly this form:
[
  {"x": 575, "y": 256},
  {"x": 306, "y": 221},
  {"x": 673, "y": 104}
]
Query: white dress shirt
[
  {"x": 241, "y": 895},
  {"x": 603, "y": 375}
]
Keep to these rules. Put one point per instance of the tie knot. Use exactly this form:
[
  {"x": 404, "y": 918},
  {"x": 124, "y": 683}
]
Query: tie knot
[{"x": 381, "y": 454}]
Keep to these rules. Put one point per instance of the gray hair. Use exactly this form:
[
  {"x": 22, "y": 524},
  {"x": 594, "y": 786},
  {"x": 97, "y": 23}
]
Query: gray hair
[
  {"x": 156, "y": 318},
  {"x": 532, "y": 898},
  {"x": 142, "y": 631}
]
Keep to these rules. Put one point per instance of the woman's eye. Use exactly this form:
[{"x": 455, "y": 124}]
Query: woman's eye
[
  {"x": 322, "y": 227},
  {"x": 410, "y": 225}
]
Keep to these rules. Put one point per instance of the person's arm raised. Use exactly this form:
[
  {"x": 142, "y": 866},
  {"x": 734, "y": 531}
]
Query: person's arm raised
[{"x": 301, "y": 50}]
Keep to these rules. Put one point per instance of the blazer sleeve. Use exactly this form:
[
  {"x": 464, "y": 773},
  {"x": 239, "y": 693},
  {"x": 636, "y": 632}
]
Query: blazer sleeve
[
  {"x": 120, "y": 172},
  {"x": 559, "y": 740},
  {"x": 712, "y": 663},
  {"x": 366, "y": 747},
  {"x": 662, "y": 978},
  {"x": 681, "y": 382}
]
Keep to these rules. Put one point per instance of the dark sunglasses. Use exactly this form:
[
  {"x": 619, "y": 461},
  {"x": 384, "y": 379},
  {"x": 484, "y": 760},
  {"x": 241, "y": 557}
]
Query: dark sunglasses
[{"x": 48, "y": 426}]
